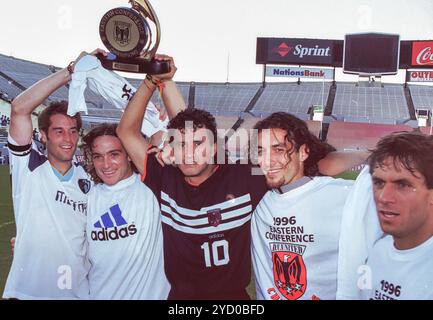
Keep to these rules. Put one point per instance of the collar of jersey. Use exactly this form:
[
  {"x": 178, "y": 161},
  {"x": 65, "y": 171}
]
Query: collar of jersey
[
  {"x": 121, "y": 184},
  {"x": 66, "y": 177},
  {"x": 289, "y": 187},
  {"x": 207, "y": 181},
  {"x": 410, "y": 254}
]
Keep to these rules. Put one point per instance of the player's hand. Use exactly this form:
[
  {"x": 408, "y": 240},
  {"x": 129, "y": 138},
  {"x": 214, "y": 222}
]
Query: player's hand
[
  {"x": 93, "y": 53},
  {"x": 164, "y": 156},
  {"x": 169, "y": 75}
]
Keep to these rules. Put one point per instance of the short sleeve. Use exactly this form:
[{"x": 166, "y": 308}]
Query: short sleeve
[{"x": 152, "y": 176}]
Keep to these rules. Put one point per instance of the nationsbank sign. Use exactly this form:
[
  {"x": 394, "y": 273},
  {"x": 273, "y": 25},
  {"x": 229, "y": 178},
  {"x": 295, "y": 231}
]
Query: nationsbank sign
[
  {"x": 295, "y": 72},
  {"x": 294, "y": 51}
]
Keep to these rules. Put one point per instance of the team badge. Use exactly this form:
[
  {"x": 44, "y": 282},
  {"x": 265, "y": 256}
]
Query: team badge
[
  {"x": 290, "y": 274},
  {"x": 84, "y": 185},
  {"x": 122, "y": 33},
  {"x": 214, "y": 217}
]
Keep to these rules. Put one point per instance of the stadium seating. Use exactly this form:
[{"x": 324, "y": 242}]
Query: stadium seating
[
  {"x": 373, "y": 104},
  {"x": 291, "y": 97},
  {"x": 244, "y": 104},
  {"x": 224, "y": 99},
  {"x": 422, "y": 96}
]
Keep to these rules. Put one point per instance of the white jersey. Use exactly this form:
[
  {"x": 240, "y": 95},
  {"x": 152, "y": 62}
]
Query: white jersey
[
  {"x": 295, "y": 235},
  {"x": 113, "y": 88},
  {"x": 125, "y": 242},
  {"x": 49, "y": 260},
  {"x": 400, "y": 274}
]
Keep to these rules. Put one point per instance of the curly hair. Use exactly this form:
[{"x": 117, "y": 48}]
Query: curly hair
[
  {"x": 297, "y": 134},
  {"x": 104, "y": 129},
  {"x": 200, "y": 119},
  {"x": 413, "y": 150}
]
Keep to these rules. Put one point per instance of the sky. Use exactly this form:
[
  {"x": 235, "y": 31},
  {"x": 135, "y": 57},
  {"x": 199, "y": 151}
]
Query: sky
[{"x": 210, "y": 40}]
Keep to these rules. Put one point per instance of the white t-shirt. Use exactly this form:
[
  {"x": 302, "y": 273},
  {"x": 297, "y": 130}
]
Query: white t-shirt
[
  {"x": 400, "y": 274},
  {"x": 49, "y": 260},
  {"x": 125, "y": 242},
  {"x": 295, "y": 237}
]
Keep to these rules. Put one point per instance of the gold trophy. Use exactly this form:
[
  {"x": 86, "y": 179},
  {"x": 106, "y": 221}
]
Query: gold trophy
[{"x": 132, "y": 36}]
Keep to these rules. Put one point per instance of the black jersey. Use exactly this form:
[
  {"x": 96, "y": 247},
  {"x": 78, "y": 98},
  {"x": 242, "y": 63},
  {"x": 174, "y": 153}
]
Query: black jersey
[{"x": 207, "y": 229}]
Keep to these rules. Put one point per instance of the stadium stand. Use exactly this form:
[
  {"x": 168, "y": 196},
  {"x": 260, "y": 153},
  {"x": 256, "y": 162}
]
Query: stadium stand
[
  {"x": 249, "y": 121},
  {"x": 373, "y": 104},
  {"x": 291, "y": 97},
  {"x": 8, "y": 90},
  {"x": 224, "y": 99},
  {"x": 225, "y": 122},
  {"x": 359, "y": 136},
  {"x": 422, "y": 96},
  {"x": 350, "y": 108},
  {"x": 182, "y": 86}
]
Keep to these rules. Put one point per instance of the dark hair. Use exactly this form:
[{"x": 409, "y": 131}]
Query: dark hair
[
  {"x": 297, "y": 134},
  {"x": 57, "y": 107},
  {"x": 413, "y": 150},
  {"x": 103, "y": 129},
  {"x": 200, "y": 119}
]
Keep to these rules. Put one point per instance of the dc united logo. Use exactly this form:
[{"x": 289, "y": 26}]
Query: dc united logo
[
  {"x": 84, "y": 185},
  {"x": 214, "y": 217},
  {"x": 290, "y": 274}
]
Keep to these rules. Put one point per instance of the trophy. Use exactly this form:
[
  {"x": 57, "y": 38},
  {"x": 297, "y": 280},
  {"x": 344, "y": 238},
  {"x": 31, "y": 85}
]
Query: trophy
[{"x": 127, "y": 34}]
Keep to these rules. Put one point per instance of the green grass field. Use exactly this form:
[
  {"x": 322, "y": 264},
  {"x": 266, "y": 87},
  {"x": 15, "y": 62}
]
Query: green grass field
[{"x": 7, "y": 225}]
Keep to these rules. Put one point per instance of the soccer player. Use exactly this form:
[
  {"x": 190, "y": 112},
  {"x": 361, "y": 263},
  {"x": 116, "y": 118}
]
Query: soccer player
[
  {"x": 206, "y": 207},
  {"x": 401, "y": 263},
  {"x": 49, "y": 197},
  {"x": 295, "y": 227},
  {"x": 123, "y": 224}
]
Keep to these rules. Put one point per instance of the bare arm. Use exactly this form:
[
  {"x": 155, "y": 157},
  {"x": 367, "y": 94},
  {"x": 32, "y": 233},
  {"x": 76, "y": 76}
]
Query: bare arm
[
  {"x": 129, "y": 129},
  {"x": 340, "y": 161},
  {"x": 23, "y": 105},
  {"x": 172, "y": 98},
  {"x": 21, "y": 128}
]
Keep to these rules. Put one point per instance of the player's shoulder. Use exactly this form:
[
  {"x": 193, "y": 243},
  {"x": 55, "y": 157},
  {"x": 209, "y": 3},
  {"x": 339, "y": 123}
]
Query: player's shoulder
[
  {"x": 384, "y": 243},
  {"x": 334, "y": 182}
]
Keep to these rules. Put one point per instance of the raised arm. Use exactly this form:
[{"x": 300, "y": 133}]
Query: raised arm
[
  {"x": 172, "y": 98},
  {"x": 340, "y": 161},
  {"x": 129, "y": 129},
  {"x": 21, "y": 128}
]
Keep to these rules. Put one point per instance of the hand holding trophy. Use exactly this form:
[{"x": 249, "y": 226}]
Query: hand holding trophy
[{"x": 132, "y": 42}]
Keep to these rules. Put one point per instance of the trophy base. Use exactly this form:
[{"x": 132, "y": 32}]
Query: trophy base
[{"x": 135, "y": 65}]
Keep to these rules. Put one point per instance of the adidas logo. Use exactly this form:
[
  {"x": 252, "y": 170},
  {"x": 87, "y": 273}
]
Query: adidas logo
[{"x": 106, "y": 222}]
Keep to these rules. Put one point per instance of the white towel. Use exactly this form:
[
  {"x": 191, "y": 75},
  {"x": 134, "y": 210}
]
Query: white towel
[
  {"x": 360, "y": 229},
  {"x": 113, "y": 88}
]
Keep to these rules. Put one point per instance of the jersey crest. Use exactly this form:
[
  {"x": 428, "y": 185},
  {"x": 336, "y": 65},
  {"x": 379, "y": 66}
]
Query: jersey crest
[
  {"x": 84, "y": 185},
  {"x": 290, "y": 274},
  {"x": 214, "y": 217}
]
